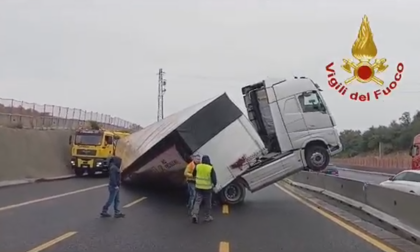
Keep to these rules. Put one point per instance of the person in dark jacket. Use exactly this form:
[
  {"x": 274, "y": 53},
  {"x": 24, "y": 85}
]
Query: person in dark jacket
[
  {"x": 113, "y": 188},
  {"x": 205, "y": 180}
]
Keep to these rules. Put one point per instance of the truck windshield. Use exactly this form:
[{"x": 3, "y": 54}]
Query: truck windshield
[{"x": 88, "y": 139}]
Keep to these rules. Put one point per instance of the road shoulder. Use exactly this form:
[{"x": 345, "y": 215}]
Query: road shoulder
[{"x": 379, "y": 237}]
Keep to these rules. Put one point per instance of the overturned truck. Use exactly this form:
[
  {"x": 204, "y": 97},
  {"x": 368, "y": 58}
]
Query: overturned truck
[{"x": 289, "y": 128}]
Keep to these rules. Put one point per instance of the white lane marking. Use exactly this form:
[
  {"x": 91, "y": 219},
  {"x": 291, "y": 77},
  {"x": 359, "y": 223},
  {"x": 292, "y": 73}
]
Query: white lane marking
[{"x": 50, "y": 197}]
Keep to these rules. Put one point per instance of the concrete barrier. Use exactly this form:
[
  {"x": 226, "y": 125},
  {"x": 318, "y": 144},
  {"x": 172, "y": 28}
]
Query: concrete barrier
[
  {"x": 404, "y": 206},
  {"x": 399, "y": 209},
  {"x": 30, "y": 153}
]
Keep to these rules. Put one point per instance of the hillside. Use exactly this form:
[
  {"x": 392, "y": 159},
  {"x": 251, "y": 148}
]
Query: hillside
[{"x": 382, "y": 148}]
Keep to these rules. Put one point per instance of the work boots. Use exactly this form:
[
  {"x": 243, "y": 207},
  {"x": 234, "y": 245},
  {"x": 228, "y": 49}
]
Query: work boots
[
  {"x": 119, "y": 215},
  {"x": 207, "y": 219}
]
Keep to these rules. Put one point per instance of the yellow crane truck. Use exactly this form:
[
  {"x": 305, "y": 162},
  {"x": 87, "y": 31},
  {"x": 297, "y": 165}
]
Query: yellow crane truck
[{"x": 90, "y": 150}]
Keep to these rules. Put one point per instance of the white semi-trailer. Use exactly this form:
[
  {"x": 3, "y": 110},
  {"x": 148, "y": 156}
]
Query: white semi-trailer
[{"x": 289, "y": 128}]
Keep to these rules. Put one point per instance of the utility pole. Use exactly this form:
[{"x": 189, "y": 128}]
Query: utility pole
[
  {"x": 161, "y": 92},
  {"x": 380, "y": 149}
]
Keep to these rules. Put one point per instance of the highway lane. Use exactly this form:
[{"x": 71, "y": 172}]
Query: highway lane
[
  {"x": 362, "y": 176},
  {"x": 23, "y": 193},
  {"x": 271, "y": 220},
  {"x": 26, "y": 226}
]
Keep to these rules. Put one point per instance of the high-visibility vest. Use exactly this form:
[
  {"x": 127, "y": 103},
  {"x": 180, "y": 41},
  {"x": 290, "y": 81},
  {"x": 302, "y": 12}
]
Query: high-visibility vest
[
  {"x": 190, "y": 168},
  {"x": 203, "y": 176}
]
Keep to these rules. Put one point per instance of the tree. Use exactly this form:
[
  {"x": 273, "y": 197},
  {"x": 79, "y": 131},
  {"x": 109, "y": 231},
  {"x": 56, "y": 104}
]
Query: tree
[{"x": 398, "y": 136}]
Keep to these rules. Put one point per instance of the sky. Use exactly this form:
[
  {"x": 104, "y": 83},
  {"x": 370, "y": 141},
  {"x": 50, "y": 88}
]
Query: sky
[{"x": 104, "y": 55}]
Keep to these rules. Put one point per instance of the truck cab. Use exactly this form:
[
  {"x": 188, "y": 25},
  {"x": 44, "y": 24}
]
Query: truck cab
[
  {"x": 414, "y": 153},
  {"x": 294, "y": 122},
  {"x": 292, "y": 114},
  {"x": 90, "y": 150}
]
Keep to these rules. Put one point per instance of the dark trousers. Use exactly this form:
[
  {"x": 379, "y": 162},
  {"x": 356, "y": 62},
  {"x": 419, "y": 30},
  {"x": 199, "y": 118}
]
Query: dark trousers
[
  {"x": 203, "y": 196},
  {"x": 113, "y": 199}
]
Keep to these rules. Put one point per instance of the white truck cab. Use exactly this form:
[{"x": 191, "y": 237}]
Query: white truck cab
[{"x": 298, "y": 131}]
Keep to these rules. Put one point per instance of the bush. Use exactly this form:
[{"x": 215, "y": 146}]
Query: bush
[
  {"x": 396, "y": 137},
  {"x": 94, "y": 125}
]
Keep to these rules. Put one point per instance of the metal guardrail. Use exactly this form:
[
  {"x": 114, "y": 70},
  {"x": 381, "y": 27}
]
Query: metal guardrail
[
  {"x": 32, "y": 115},
  {"x": 399, "y": 209}
]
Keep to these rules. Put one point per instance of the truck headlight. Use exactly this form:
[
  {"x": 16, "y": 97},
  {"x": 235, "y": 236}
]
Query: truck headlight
[
  {"x": 72, "y": 162},
  {"x": 99, "y": 164}
]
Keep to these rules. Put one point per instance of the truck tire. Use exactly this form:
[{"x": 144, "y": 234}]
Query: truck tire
[
  {"x": 79, "y": 172},
  {"x": 317, "y": 157},
  {"x": 233, "y": 194}
]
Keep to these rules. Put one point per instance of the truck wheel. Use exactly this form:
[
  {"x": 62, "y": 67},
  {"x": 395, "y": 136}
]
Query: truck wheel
[
  {"x": 79, "y": 172},
  {"x": 233, "y": 194},
  {"x": 317, "y": 157}
]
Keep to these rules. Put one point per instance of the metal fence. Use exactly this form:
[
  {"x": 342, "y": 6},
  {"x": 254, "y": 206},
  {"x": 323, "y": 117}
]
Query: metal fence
[
  {"x": 22, "y": 114},
  {"x": 400, "y": 162}
]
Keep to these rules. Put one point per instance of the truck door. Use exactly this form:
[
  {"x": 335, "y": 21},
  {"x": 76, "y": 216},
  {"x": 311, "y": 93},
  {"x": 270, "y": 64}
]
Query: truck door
[
  {"x": 109, "y": 146},
  {"x": 314, "y": 112},
  {"x": 294, "y": 122}
]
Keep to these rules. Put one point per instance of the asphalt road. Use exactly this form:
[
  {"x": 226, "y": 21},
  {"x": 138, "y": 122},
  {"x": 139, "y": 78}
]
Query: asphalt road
[
  {"x": 362, "y": 176},
  {"x": 270, "y": 220}
]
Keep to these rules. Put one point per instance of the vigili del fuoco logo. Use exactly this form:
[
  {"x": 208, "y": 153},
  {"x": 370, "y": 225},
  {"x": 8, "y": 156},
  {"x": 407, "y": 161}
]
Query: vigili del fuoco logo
[{"x": 366, "y": 68}]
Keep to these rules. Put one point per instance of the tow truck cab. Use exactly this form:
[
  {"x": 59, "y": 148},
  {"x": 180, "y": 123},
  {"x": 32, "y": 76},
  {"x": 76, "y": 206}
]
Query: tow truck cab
[
  {"x": 90, "y": 150},
  {"x": 298, "y": 131}
]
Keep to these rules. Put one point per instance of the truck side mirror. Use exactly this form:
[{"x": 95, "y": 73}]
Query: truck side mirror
[{"x": 70, "y": 138}]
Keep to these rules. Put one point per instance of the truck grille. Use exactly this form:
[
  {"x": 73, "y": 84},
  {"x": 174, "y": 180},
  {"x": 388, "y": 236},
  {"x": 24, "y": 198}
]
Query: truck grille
[{"x": 86, "y": 152}]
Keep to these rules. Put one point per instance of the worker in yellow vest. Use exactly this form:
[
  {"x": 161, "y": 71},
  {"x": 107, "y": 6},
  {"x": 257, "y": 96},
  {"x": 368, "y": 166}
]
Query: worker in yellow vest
[
  {"x": 188, "y": 173},
  {"x": 205, "y": 180}
]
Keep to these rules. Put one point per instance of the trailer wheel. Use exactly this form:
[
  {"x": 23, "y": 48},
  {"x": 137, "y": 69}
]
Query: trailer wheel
[
  {"x": 317, "y": 157},
  {"x": 233, "y": 194}
]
